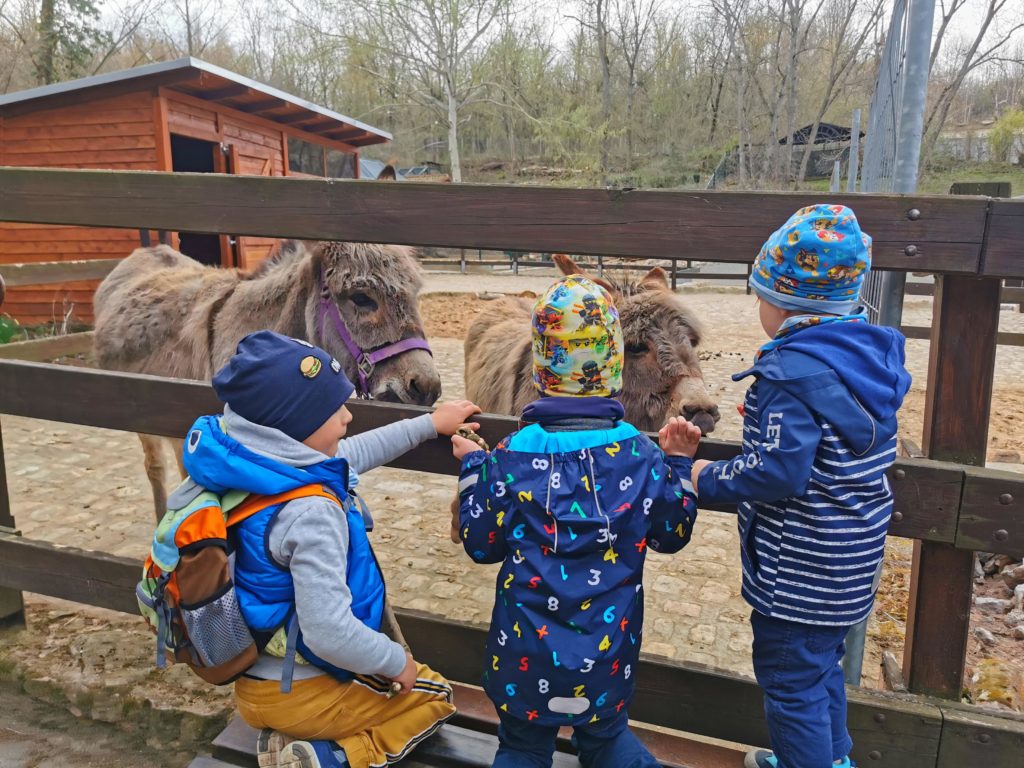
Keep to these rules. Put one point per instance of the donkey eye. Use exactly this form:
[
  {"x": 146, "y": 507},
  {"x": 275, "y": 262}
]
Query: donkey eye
[
  {"x": 363, "y": 301},
  {"x": 638, "y": 348}
]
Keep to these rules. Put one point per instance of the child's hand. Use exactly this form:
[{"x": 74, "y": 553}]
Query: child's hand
[
  {"x": 462, "y": 447},
  {"x": 448, "y": 417},
  {"x": 407, "y": 679},
  {"x": 698, "y": 467},
  {"x": 679, "y": 437}
]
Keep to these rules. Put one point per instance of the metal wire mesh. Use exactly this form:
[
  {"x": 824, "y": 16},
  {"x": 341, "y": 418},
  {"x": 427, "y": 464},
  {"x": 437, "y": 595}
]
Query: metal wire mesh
[{"x": 879, "y": 165}]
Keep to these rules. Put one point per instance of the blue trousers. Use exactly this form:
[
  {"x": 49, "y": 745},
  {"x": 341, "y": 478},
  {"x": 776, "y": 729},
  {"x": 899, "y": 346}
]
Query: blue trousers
[
  {"x": 605, "y": 744},
  {"x": 797, "y": 667}
]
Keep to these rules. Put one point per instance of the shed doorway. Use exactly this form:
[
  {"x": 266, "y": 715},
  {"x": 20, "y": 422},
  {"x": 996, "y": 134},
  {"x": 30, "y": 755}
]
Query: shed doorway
[{"x": 190, "y": 155}]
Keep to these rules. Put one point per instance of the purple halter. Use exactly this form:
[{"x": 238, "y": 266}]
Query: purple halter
[{"x": 366, "y": 362}]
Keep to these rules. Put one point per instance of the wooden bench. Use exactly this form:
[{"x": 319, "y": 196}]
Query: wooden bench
[
  {"x": 451, "y": 747},
  {"x": 468, "y": 739}
]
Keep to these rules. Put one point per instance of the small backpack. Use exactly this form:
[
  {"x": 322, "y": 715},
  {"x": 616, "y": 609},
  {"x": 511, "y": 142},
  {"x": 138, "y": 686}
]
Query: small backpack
[{"x": 186, "y": 593}]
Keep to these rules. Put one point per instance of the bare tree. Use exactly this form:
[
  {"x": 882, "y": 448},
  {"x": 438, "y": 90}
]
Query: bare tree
[
  {"x": 437, "y": 41},
  {"x": 844, "y": 29},
  {"x": 636, "y": 22},
  {"x": 967, "y": 56}
]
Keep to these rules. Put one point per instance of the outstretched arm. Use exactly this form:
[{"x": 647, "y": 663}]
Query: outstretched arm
[
  {"x": 776, "y": 464},
  {"x": 377, "y": 447}
]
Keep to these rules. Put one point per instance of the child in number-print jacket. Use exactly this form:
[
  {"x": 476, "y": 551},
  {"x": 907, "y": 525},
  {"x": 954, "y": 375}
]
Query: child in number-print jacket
[{"x": 569, "y": 505}]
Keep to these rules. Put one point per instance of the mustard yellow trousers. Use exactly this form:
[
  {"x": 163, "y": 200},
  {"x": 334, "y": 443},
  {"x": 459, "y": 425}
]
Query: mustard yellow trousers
[{"x": 372, "y": 729}]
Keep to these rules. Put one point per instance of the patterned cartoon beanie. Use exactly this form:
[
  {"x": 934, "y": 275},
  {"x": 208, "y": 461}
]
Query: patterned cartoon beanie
[
  {"x": 816, "y": 262},
  {"x": 577, "y": 340}
]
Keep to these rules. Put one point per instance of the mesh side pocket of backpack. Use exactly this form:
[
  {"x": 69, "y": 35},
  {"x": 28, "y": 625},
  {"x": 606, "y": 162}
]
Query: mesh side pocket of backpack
[{"x": 216, "y": 627}]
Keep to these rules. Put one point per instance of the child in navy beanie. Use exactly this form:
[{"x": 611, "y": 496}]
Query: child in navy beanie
[
  {"x": 819, "y": 430},
  {"x": 305, "y": 575}
]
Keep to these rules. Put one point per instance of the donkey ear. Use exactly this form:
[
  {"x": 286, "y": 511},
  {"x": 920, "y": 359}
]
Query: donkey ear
[
  {"x": 565, "y": 264},
  {"x": 569, "y": 267},
  {"x": 655, "y": 280}
]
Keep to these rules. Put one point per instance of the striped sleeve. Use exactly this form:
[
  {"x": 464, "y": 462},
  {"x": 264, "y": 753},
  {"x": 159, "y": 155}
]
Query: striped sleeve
[{"x": 777, "y": 453}]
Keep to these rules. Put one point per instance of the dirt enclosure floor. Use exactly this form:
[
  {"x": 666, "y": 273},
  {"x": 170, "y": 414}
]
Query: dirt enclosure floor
[{"x": 86, "y": 487}]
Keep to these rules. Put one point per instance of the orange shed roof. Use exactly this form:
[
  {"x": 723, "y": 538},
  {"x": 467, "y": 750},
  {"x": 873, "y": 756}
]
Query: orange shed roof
[{"x": 205, "y": 81}]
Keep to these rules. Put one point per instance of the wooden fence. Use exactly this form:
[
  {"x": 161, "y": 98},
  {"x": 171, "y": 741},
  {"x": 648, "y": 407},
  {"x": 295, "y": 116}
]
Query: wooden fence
[
  {"x": 514, "y": 261},
  {"x": 947, "y": 506}
]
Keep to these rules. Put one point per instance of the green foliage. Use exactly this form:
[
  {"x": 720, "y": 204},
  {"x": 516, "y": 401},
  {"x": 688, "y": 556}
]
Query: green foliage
[
  {"x": 1007, "y": 129},
  {"x": 70, "y": 32},
  {"x": 9, "y": 328}
]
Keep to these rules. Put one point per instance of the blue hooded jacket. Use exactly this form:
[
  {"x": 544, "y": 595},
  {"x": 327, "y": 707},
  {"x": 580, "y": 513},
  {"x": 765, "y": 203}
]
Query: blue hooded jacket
[
  {"x": 819, "y": 434},
  {"x": 570, "y": 516},
  {"x": 265, "y": 590}
]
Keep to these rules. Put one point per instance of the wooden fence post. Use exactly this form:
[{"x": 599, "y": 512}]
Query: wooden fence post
[
  {"x": 12, "y": 607},
  {"x": 961, "y": 366}
]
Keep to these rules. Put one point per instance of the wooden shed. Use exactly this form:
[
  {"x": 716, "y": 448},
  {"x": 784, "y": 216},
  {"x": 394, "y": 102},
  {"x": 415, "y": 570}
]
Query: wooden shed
[{"x": 184, "y": 115}]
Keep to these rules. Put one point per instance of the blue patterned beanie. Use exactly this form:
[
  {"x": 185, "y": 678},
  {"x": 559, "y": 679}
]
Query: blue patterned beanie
[{"x": 816, "y": 262}]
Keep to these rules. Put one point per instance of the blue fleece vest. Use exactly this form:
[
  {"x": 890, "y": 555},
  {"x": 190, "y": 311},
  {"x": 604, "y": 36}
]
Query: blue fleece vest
[{"x": 266, "y": 594}]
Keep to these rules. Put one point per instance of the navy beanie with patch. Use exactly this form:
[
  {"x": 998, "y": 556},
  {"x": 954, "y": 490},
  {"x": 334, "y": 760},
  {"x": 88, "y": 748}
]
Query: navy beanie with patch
[{"x": 285, "y": 383}]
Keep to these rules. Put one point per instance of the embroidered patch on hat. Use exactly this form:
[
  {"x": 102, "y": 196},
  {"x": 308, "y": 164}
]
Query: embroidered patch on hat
[
  {"x": 310, "y": 366},
  {"x": 335, "y": 365}
]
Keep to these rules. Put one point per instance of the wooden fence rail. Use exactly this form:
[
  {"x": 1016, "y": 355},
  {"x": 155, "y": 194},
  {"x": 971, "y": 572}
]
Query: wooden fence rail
[
  {"x": 954, "y": 235},
  {"x": 50, "y": 272},
  {"x": 930, "y": 495}
]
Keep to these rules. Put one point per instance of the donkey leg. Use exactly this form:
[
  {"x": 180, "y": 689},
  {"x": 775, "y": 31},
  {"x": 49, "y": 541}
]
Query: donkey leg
[
  {"x": 178, "y": 447},
  {"x": 390, "y": 626},
  {"x": 153, "y": 453}
]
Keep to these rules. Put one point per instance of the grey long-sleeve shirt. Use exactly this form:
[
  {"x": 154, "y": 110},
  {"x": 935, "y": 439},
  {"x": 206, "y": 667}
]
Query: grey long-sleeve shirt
[{"x": 310, "y": 538}]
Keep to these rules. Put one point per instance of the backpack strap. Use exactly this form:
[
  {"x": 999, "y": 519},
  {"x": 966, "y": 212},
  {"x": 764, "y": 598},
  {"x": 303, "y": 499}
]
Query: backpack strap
[{"x": 256, "y": 503}]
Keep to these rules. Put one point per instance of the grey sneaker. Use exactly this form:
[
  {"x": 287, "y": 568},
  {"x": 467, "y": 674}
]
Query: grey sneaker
[
  {"x": 760, "y": 758},
  {"x": 269, "y": 745}
]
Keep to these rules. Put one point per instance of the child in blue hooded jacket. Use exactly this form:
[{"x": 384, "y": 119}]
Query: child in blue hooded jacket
[
  {"x": 306, "y": 578},
  {"x": 569, "y": 505},
  {"x": 819, "y": 434}
]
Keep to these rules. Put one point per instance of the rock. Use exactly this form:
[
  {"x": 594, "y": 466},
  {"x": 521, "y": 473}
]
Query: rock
[
  {"x": 995, "y": 563},
  {"x": 993, "y": 606},
  {"x": 979, "y": 571},
  {"x": 986, "y": 637},
  {"x": 1013, "y": 576},
  {"x": 1014, "y": 618},
  {"x": 1018, "y": 598},
  {"x": 991, "y": 683},
  {"x": 1018, "y": 632}
]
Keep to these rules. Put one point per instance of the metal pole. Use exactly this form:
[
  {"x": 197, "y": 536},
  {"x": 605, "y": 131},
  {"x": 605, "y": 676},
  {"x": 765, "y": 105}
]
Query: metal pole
[
  {"x": 853, "y": 164},
  {"x": 834, "y": 185},
  {"x": 908, "y": 141},
  {"x": 907, "y": 159}
]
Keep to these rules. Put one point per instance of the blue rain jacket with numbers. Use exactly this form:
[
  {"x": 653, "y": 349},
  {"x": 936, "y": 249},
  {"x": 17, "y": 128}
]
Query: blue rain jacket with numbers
[{"x": 570, "y": 516}]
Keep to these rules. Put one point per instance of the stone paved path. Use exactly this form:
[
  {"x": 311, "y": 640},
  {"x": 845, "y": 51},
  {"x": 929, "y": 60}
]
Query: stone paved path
[{"x": 86, "y": 487}]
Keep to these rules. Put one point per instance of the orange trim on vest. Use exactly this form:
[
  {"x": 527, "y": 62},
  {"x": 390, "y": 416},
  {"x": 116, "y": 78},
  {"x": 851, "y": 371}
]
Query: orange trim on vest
[{"x": 255, "y": 504}]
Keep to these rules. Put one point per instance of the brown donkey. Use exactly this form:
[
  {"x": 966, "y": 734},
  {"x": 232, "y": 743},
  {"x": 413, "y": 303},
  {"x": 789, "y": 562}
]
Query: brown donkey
[
  {"x": 661, "y": 374},
  {"x": 160, "y": 312}
]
